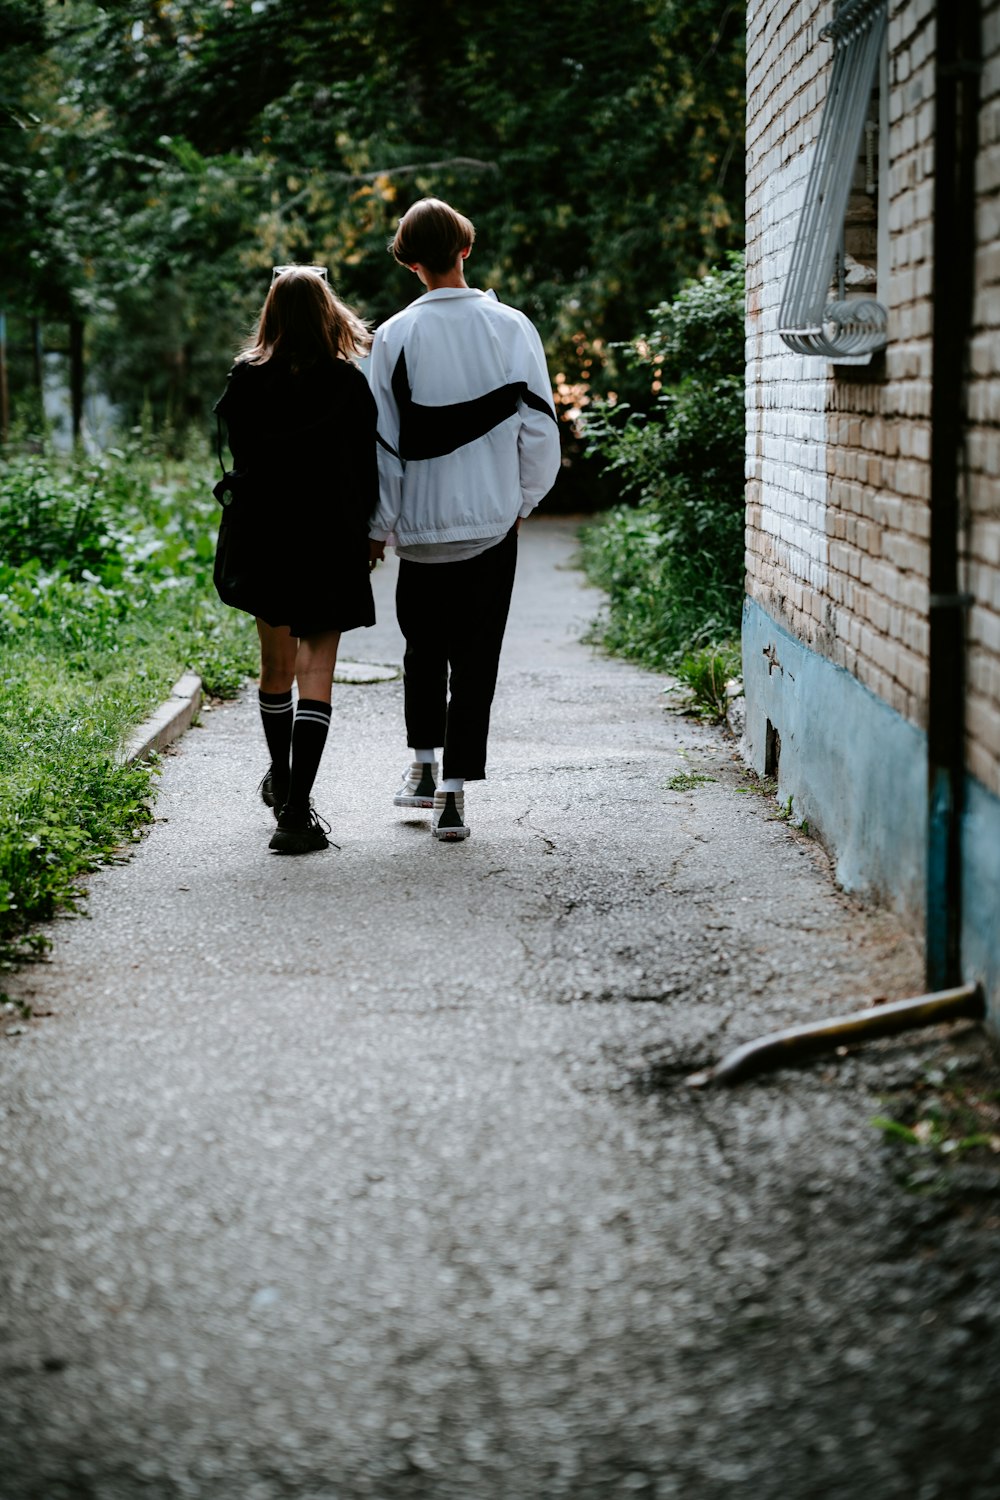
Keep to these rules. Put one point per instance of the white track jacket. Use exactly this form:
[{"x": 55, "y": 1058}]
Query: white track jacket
[{"x": 467, "y": 433}]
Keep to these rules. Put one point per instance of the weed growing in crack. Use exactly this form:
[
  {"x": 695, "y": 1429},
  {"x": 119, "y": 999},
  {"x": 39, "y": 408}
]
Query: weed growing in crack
[
  {"x": 703, "y": 681},
  {"x": 759, "y": 786},
  {"x": 685, "y": 781},
  {"x": 941, "y": 1120}
]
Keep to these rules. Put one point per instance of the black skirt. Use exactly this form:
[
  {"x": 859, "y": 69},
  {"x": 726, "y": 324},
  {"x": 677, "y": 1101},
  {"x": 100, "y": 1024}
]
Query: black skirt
[
  {"x": 332, "y": 591},
  {"x": 322, "y": 586}
]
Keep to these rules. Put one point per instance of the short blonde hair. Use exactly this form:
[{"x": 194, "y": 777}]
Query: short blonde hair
[
  {"x": 432, "y": 234},
  {"x": 302, "y": 320}
]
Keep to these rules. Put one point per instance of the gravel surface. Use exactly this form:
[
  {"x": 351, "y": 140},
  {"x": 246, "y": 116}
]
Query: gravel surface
[{"x": 373, "y": 1173}]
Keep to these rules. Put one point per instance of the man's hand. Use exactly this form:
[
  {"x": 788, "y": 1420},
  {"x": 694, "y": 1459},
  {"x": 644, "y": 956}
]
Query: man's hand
[{"x": 376, "y": 553}]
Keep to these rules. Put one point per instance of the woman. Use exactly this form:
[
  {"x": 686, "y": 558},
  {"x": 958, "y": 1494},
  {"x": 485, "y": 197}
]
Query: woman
[{"x": 293, "y": 548}]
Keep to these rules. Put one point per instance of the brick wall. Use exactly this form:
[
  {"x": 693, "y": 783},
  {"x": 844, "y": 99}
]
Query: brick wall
[
  {"x": 787, "y": 553},
  {"x": 838, "y": 485},
  {"x": 837, "y": 457},
  {"x": 983, "y": 440},
  {"x": 838, "y": 482}
]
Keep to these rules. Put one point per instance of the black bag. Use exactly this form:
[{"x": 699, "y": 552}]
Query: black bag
[
  {"x": 240, "y": 569},
  {"x": 233, "y": 482}
]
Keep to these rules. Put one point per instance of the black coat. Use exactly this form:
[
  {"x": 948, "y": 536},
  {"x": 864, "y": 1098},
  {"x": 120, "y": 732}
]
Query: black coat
[{"x": 293, "y": 546}]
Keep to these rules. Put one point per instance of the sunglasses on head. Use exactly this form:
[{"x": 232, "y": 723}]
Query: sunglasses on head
[{"x": 320, "y": 271}]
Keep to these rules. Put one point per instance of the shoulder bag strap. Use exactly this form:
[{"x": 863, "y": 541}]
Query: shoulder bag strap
[{"x": 218, "y": 443}]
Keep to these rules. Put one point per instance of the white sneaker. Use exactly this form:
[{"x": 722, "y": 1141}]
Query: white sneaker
[
  {"x": 449, "y": 816},
  {"x": 419, "y": 786}
]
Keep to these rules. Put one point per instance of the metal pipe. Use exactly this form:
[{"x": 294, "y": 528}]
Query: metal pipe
[
  {"x": 779, "y": 1048},
  {"x": 956, "y": 75}
]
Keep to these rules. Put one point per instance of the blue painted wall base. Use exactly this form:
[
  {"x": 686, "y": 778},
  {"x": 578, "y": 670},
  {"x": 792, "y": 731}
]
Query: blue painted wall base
[
  {"x": 981, "y": 893},
  {"x": 857, "y": 772}
]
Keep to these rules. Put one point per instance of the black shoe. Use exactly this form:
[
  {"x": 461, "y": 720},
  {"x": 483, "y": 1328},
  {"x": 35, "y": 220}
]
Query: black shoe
[
  {"x": 300, "y": 832},
  {"x": 268, "y": 795}
]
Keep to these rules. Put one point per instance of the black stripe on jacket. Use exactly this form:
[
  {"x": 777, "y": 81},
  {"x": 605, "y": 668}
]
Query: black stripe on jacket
[{"x": 432, "y": 431}]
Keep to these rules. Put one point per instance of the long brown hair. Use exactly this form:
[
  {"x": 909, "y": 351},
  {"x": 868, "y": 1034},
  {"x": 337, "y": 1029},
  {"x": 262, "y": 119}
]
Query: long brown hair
[{"x": 303, "y": 321}]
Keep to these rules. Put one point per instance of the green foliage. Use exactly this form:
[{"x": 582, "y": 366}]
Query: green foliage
[
  {"x": 66, "y": 802},
  {"x": 164, "y": 157},
  {"x": 893, "y": 1128},
  {"x": 704, "y": 676},
  {"x": 105, "y": 598},
  {"x": 785, "y": 811},
  {"x": 672, "y": 562},
  {"x": 758, "y": 786},
  {"x": 686, "y": 781},
  {"x": 944, "y": 1116}
]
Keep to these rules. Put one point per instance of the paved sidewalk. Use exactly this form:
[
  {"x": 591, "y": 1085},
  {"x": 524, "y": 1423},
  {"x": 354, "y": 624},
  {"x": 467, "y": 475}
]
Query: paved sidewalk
[{"x": 371, "y": 1174}]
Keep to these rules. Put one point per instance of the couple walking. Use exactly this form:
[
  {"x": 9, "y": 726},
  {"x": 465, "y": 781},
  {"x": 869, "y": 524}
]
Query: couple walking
[{"x": 451, "y": 444}]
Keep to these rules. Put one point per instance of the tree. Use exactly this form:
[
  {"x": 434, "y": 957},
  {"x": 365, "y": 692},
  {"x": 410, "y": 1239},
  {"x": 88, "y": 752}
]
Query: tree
[
  {"x": 179, "y": 149},
  {"x": 672, "y": 563}
]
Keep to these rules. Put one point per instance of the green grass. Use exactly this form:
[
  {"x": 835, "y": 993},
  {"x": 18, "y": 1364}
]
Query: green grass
[
  {"x": 686, "y": 781},
  {"x": 944, "y": 1116},
  {"x": 660, "y": 609},
  {"x": 105, "y": 599},
  {"x": 703, "y": 677}
]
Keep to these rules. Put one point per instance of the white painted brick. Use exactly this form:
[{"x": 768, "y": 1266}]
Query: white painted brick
[{"x": 838, "y": 470}]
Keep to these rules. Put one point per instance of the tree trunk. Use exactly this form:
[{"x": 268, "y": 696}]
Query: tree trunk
[
  {"x": 36, "y": 354},
  {"x": 4, "y": 392},
  {"x": 76, "y": 376}
]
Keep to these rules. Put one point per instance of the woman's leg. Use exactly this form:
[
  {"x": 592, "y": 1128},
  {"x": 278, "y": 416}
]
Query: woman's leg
[
  {"x": 314, "y": 665},
  {"x": 278, "y": 649},
  {"x": 277, "y": 670}
]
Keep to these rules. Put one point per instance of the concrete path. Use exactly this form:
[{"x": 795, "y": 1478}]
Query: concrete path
[{"x": 372, "y": 1174}]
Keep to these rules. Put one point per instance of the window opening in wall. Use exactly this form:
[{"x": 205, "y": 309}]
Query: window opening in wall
[
  {"x": 772, "y": 751},
  {"x": 830, "y": 306},
  {"x": 856, "y": 264}
]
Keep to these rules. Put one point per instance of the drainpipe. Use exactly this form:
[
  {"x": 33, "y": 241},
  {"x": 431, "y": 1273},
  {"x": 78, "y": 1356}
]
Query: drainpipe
[{"x": 956, "y": 79}]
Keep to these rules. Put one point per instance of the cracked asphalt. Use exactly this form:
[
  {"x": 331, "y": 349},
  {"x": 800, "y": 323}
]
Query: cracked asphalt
[{"x": 374, "y": 1174}]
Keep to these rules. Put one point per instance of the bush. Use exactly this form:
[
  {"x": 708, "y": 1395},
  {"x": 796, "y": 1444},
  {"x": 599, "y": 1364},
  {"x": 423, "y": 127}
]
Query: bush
[
  {"x": 671, "y": 563},
  {"x": 105, "y": 599}
]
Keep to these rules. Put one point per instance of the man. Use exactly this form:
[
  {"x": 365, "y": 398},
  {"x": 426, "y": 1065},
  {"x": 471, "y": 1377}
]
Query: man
[{"x": 468, "y": 446}]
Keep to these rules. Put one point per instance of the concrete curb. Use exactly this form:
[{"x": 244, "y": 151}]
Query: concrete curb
[
  {"x": 175, "y": 714},
  {"x": 168, "y": 722}
]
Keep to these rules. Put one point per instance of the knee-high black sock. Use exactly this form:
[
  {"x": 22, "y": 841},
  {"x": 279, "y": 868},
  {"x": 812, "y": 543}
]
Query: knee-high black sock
[
  {"x": 276, "y": 717},
  {"x": 312, "y": 720}
]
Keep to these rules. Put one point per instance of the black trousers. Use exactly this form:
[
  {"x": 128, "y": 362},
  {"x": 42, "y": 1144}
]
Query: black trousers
[{"x": 453, "y": 616}]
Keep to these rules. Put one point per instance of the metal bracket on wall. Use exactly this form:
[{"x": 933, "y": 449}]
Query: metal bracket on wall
[{"x": 808, "y": 320}]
